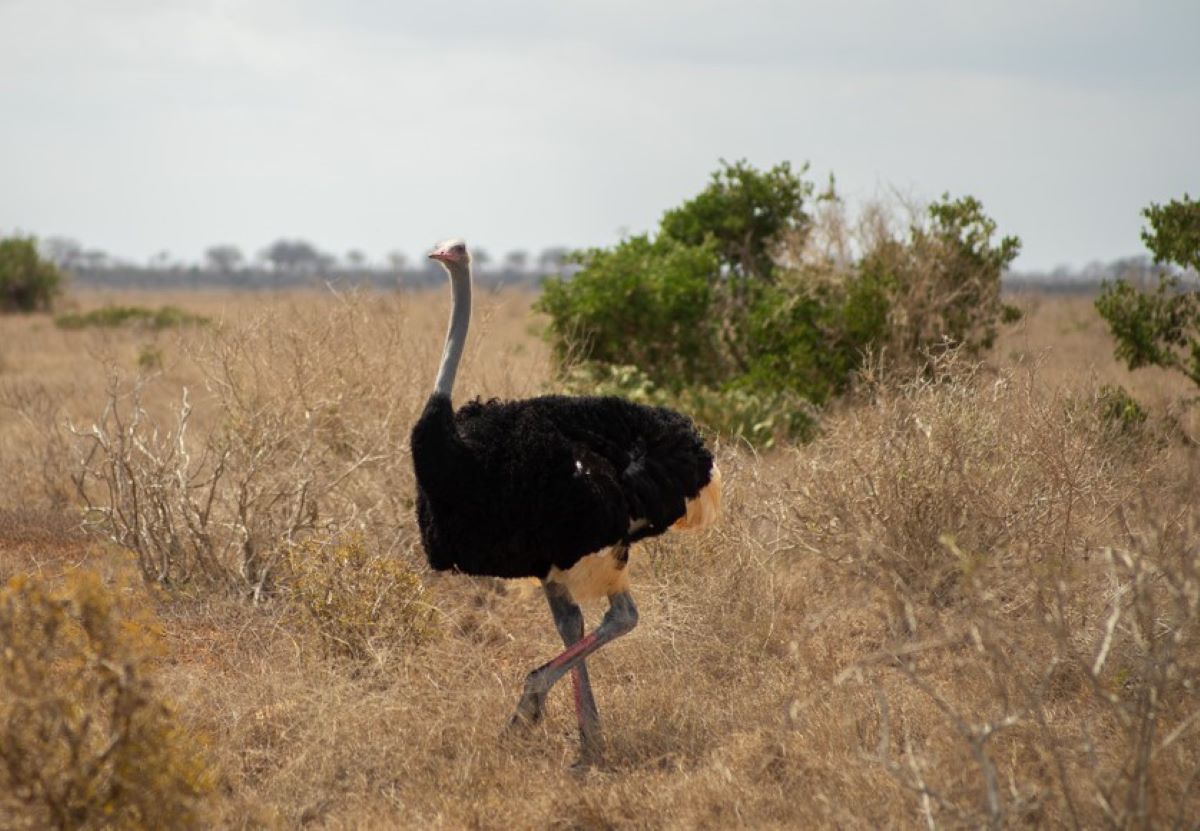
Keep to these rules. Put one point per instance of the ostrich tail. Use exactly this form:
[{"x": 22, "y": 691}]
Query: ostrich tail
[{"x": 704, "y": 508}]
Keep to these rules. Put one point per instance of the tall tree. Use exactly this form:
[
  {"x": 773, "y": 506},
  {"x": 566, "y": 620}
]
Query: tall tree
[
  {"x": 64, "y": 252},
  {"x": 223, "y": 258},
  {"x": 294, "y": 255},
  {"x": 481, "y": 258},
  {"x": 517, "y": 260},
  {"x": 552, "y": 259},
  {"x": 398, "y": 261}
]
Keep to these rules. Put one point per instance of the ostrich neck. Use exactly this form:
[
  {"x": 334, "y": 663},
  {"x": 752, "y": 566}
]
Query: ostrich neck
[{"x": 456, "y": 334}]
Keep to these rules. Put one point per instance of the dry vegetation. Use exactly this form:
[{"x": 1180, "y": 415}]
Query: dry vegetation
[{"x": 971, "y": 601}]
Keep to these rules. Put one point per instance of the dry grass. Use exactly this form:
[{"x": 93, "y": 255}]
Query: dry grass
[{"x": 968, "y": 602}]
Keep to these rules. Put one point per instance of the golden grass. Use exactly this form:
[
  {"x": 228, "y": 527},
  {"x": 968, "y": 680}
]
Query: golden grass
[{"x": 897, "y": 625}]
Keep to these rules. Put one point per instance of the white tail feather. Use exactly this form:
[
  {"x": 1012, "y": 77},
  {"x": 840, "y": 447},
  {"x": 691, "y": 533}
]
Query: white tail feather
[{"x": 705, "y": 507}]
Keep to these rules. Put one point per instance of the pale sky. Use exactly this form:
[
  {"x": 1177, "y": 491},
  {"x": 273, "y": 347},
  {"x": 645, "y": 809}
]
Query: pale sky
[{"x": 142, "y": 125}]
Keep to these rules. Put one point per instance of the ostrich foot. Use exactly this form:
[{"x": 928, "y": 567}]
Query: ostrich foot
[
  {"x": 591, "y": 754},
  {"x": 531, "y": 708}
]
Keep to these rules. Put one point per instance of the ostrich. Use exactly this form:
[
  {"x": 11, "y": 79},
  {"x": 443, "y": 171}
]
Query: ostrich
[{"x": 556, "y": 488}]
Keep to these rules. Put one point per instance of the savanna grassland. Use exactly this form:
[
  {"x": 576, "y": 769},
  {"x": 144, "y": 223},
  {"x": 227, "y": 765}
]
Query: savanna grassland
[{"x": 972, "y": 600}]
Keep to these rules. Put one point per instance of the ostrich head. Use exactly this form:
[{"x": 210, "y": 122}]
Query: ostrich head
[{"x": 451, "y": 253}]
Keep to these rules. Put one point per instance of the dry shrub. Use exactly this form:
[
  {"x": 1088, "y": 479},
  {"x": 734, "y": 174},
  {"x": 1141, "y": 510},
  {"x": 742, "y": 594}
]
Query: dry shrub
[
  {"x": 932, "y": 266},
  {"x": 1044, "y": 637},
  {"x": 361, "y": 603},
  {"x": 302, "y": 423},
  {"x": 43, "y": 474},
  {"x": 85, "y": 738},
  {"x": 942, "y": 273},
  {"x": 985, "y": 460},
  {"x": 1062, "y": 695}
]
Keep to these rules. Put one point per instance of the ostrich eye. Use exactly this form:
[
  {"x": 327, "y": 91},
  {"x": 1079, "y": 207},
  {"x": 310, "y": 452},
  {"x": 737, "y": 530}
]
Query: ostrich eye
[{"x": 460, "y": 248}]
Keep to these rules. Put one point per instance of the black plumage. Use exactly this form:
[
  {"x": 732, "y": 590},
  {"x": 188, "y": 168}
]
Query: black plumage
[{"x": 511, "y": 488}]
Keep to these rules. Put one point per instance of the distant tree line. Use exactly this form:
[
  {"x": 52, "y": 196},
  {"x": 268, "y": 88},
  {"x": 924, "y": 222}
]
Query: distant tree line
[
  {"x": 1139, "y": 270},
  {"x": 289, "y": 263}
]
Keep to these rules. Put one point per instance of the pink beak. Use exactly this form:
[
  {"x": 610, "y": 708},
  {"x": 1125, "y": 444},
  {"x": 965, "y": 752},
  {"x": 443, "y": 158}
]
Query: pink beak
[{"x": 443, "y": 256}]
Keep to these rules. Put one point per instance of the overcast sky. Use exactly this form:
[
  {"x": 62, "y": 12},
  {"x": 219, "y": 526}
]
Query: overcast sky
[{"x": 142, "y": 125}]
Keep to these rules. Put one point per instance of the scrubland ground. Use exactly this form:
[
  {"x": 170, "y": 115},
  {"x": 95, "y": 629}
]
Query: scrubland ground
[{"x": 973, "y": 600}]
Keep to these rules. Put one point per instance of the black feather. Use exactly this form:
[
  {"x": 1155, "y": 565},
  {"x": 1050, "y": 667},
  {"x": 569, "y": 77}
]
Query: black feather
[{"x": 511, "y": 488}]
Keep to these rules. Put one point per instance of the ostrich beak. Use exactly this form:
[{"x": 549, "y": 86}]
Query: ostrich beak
[{"x": 440, "y": 256}]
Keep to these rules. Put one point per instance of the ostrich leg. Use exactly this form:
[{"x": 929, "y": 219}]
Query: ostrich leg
[
  {"x": 568, "y": 618},
  {"x": 620, "y": 618}
]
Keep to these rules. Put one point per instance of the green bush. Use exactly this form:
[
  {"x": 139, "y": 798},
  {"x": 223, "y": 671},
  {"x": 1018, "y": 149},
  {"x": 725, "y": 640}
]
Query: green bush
[
  {"x": 809, "y": 337},
  {"x": 27, "y": 282},
  {"x": 757, "y": 416},
  {"x": 150, "y": 357},
  {"x": 1174, "y": 233},
  {"x": 1160, "y": 328},
  {"x": 86, "y": 741},
  {"x": 727, "y": 308},
  {"x": 165, "y": 317},
  {"x": 645, "y": 303},
  {"x": 1120, "y": 410},
  {"x": 743, "y": 212}
]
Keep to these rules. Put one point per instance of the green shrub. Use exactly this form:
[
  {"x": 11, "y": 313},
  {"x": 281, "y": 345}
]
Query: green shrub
[
  {"x": 1174, "y": 233},
  {"x": 646, "y": 303},
  {"x": 150, "y": 357},
  {"x": 27, "y": 282},
  {"x": 85, "y": 738},
  {"x": 1160, "y": 328},
  {"x": 359, "y": 602},
  {"x": 743, "y": 213},
  {"x": 165, "y": 317},
  {"x": 728, "y": 307},
  {"x": 1120, "y": 409},
  {"x": 809, "y": 337},
  {"x": 758, "y": 416}
]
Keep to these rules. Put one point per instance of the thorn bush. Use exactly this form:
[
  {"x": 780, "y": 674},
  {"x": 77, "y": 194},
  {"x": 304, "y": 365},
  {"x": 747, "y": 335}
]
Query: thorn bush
[{"x": 295, "y": 424}]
